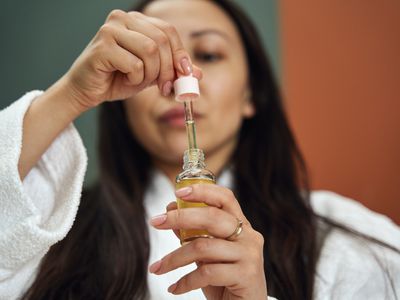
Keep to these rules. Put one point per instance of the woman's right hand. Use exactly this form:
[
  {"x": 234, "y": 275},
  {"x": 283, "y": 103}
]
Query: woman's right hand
[{"x": 129, "y": 53}]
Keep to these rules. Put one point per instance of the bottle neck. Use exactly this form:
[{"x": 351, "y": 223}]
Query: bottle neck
[{"x": 193, "y": 159}]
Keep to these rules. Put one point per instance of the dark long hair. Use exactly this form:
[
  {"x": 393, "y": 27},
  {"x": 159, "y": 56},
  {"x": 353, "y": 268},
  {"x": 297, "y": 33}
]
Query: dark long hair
[{"x": 105, "y": 255}]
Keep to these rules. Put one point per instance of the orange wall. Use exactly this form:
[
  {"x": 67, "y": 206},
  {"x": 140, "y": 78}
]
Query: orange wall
[{"x": 341, "y": 78}]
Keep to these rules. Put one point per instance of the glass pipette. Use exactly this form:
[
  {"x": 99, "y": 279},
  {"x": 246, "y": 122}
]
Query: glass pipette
[
  {"x": 190, "y": 125},
  {"x": 187, "y": 90}
]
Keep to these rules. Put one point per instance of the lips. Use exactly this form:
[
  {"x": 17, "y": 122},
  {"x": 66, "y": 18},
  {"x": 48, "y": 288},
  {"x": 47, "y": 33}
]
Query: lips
[{"x": 175, "y": 117}]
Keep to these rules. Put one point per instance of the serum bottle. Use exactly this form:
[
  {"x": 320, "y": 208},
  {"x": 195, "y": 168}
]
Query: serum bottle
[
  {"x": 194, "y": 167},
  {"x": 194, "y": 171}
]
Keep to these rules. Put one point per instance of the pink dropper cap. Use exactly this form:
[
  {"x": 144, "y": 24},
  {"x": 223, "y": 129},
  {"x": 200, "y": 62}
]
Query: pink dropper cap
[{"x": 186, "y": 88}]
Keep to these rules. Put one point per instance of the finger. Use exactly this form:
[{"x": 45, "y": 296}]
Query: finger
[
  {"x": 216, "y": 221},
  {"x": 213, "y": 195},
  {"x": 137, "y": 22},
  {"x": 141, "y": 46},
  {"x": 116, "y": 58},
  {"x": 200, "y": 250},
  {"x": 182, "y": 61},
  {"x": 172, "y": 206},
  {"x": 197, "y": 72},
  {"x": 205, "y": 275},
  {"x": 116, "y": 15}
]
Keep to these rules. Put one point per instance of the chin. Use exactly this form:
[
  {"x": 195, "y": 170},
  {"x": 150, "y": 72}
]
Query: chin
[
  {"x": 173, "y": 151},
  {"x": 177, "y": 154}
]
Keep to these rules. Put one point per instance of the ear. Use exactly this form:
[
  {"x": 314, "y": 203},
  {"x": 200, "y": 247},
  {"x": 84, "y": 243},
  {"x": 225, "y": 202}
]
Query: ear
[{"x": 248, "y": 109}]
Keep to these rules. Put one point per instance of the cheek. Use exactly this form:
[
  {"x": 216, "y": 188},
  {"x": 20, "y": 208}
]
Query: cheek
[
  {"x": 140, "y": 109},
  {"x": 226, "y": 91},
  {"x": 135, "y": 110},
  {"x": 225, "y": 97},
  {"x": 226, "y": 81},
  {"x": 140, "y": 120}
]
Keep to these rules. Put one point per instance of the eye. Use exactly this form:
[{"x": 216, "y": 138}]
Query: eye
[{"x": 208, "y": 57}]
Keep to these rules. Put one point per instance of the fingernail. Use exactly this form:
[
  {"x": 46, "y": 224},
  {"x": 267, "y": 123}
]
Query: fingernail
[
  {"x": 158, "y": 220},
  {"x": 166, "y": 90},
  {"x": 172, "y": 288},
  {"x": 155, "y": 266},
  {"x": 183, "y": 191},
  {"x": 186, "y": 66}
]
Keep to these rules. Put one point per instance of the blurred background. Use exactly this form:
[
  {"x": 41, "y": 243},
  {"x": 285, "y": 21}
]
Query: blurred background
[{"x": 337, "y": 62}]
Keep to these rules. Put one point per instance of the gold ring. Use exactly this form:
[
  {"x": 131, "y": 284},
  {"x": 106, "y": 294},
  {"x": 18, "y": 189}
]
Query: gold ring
[{"x": 237, "y": 232}]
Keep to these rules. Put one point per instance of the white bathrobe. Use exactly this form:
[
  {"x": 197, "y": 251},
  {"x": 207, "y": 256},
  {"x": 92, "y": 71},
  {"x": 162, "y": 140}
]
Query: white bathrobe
[{"x": 38, "y": 212}]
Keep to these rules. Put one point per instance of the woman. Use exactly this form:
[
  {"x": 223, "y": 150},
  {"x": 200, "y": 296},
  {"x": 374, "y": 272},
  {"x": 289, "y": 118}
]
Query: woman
[{"x": 244, "y": 133}]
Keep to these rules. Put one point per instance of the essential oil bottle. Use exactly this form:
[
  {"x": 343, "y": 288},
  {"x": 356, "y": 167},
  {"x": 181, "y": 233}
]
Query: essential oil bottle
[{"x": 194, "y": 171}]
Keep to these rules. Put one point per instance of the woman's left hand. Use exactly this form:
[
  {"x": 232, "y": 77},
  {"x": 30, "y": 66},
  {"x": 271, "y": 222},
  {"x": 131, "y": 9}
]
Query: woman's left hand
[{"x": 226, "y": 269}]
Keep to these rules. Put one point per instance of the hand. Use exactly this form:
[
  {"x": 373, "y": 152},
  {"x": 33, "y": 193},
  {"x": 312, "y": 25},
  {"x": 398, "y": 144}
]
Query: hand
[
  {"x": 129, "y": 53},
  {"x": 227, "y": 269}
]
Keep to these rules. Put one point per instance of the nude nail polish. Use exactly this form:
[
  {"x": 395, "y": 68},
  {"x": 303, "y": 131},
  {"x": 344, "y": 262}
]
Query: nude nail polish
[
  {"x": 158, "y": 220},
  {"x": 186, "y": 66},
  {"x": 155, "y": 266},
  {"x": 166, "y": 90},
  {"x": 182, "y": 192},
  {"x": 172, "y": 288}
]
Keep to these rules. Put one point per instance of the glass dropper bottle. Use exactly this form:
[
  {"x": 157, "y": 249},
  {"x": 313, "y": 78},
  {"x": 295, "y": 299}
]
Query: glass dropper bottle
[{"x": 194, "y": 167}]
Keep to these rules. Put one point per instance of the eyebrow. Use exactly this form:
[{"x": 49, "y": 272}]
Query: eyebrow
[{"x": 200, "y": 33}]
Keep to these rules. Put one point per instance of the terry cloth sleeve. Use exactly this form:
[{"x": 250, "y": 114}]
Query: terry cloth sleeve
[
  {"x": 38, "y": 212},
  {"x": 351, "y": 266}
]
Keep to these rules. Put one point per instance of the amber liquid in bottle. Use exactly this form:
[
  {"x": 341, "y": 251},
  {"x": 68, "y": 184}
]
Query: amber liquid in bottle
[{"x": 194, "y": 172}]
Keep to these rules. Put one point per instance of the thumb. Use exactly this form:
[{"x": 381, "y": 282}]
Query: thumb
[{"x": 173, "y": 206}]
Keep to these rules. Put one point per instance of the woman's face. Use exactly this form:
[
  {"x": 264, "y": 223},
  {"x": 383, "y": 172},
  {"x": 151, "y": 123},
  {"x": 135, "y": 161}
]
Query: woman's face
[{"x": 214, "y": 45}]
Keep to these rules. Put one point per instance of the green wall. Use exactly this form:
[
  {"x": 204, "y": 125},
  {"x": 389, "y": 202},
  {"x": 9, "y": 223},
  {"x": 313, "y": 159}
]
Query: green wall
[{"x": 40, "y": 39}]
